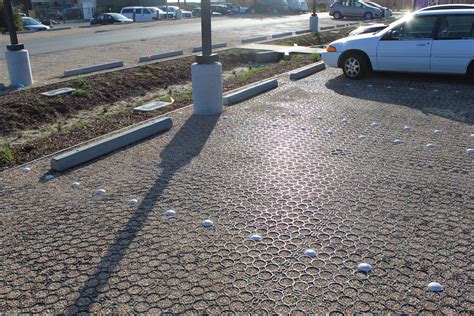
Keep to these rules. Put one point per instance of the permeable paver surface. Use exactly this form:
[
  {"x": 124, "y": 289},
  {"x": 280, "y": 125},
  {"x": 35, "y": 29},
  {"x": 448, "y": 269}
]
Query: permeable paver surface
[{"x": 303, "y": 166}]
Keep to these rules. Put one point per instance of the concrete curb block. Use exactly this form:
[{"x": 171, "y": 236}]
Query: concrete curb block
[
  {"x": 60, "y": 29},
  {"x": 160, "y": 56},
  {"x": 303, "y": 31},
  {"x": 282, "y": 35},
  {"x": 253, "y": 39},
  {"x": 328, "y": 27},
  {"x": 109, "y": 144},
  {"x": 86, "y": 70},
  {"x": 249, "y": 92},
  {"x": 220, "y": 45},
  {"x": 87, "y": 26},
  {"x": 307, "y": 71}
]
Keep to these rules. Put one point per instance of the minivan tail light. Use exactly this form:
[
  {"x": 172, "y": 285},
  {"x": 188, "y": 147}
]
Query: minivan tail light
[{"x": 331, "y": 49}]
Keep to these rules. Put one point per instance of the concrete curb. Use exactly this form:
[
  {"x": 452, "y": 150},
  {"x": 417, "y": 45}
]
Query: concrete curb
[
  {"x": 328, "y": 27},
  {"x": 60, "y": 29},
  {"x": 302, "y": 32},
  {"x": 86, "y": 70},
  {"x": 87, "y": 26},
  {"x": 254, "y": 39},
  {"x": 160, "y": 56},
  {"x": 220, "y": 45},
  {"x": 109, "y": 144},
  {"x": 249, "y": 92},
  {"x": 282, "y": 34},
  {"x": 307, "y": 71}
]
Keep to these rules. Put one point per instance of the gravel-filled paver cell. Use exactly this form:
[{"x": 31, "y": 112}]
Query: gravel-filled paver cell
[{"x": 406, "y": 210}]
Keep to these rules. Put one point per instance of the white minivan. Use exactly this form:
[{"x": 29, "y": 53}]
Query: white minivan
[
  {"x": 142, "y": 14},
  {"x": 426, "y": 42}
]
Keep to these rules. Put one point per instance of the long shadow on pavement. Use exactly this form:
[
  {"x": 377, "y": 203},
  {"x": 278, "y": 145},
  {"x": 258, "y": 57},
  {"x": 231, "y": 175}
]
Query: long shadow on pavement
[
  {"x": 447, "y": 96},
  {"x": 184, "y": 146}
]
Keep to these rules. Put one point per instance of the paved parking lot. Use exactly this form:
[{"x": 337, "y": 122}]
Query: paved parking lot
[{"x": 304, "y": 166}]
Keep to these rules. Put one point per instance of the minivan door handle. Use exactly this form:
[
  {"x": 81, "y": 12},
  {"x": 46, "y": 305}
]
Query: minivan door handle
[{"x": 421, "y": 44}]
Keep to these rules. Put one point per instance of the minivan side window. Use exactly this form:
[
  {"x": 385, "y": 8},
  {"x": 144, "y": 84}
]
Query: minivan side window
[
  {"x": 138, "y": 11},
  {"x": 456, "y": 27},
  {"x": 127, "y": 11},
  {"x": 416, "y": 28}
]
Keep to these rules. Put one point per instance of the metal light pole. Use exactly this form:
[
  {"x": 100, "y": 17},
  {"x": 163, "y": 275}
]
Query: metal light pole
[
  {"x": 207, "y": 71},
  {"x": 313, "y": 20},
  {"x": 17, "y": 58}
]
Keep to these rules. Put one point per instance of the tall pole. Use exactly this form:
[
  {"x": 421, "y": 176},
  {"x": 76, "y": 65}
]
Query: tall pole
[
  {"x": 14, "y": 46},
  {"x": 314, "y": 8},
  {"x": 207, "y": 57}
]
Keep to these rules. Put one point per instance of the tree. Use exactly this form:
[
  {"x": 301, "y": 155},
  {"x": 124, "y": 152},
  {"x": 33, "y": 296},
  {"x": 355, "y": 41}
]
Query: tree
[{"x": 16, "y": 15}]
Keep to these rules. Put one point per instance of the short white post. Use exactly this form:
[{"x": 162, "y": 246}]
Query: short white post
[
  {"x": 19, "y": 67},
  {"x": 207, "y": 88}
]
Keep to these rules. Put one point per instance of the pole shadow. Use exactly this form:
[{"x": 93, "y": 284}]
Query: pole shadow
[{"x": 184, "y": 146}]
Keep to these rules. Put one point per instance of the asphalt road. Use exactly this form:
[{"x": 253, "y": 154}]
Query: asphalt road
[{"x": 235, "y": 26}]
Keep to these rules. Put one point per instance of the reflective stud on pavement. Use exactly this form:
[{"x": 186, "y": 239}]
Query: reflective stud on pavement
[
  {"x": 397, "y": 141},
  {"x": 170, "y": 213},
  {"x": 133, "y": 202},
  {"x": 207, "y": 223},
  {"x": 256, "y": 237},
  {"x": 75, "y": 185},
  {"x": 435, "y": 287},
  {"x": 362, "y": 136},
  {"x": 310, "y": 253},
  {"x": 364, "y": 267},
  {"x": 375, "y": 124},
  {"x": 100, "y": 192},
  {"x": 470, "y": 150},
  {"x": 26, "y": 170},
  {"x": 430, "y": 146}
]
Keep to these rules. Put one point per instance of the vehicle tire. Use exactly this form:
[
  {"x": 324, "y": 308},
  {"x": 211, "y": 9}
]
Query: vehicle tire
[
  {"x": 470, "y": 71},
  {"x": 337, "y": 15},
  {"x": 355, "y": 66},
  {"x": 368, "y": 16}
]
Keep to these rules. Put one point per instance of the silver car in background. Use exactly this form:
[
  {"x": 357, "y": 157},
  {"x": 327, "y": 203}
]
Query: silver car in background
[{"x": 354, "y": 9}]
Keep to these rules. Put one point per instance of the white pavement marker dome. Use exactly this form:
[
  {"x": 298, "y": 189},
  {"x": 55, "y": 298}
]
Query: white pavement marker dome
[
  {"x": 170, "y": 213},
  {"x": 75, "y": 185},
  {"x": 470, "y": 150},
  {"x": 133, "y": 202},
  {"x": 436, "y": 131},
  {"x": 310, "y": 253},
  {"x": 207, "y": 223},
  {"x": 26, "y": 170},
  {"x": 330, "y": 131},
  {"x": 435, "y": 287},
  {"x": 256, "y": 237},
  {"x": 375, "y": 124},
  {"x": 397, "y": 141},
  {"x": 100, "y": 192},
  {"x": 430, "y": 145},
  {"x": 364, "y": 267},
  {"x": 48, "y": 177}
]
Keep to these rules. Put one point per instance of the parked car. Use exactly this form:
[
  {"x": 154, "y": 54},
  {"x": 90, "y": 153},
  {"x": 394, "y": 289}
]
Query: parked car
[
  {"x": 371, "y": 28},
  {"x": 110, "y": 18},
  {"x": 173, "y": 10},
  {"x": 197, "y": 12},
  {"x": 447, "y": 7},
  {"x": 220, "y": 8},
  {"x": 385, "y": 11},
  {"x": 354, "y": 9},
  {"x": 269, "y": 6},
  {"x": 297, "y": 6},
  {"x": 31, "y": 24},
  {"x": 142, "y": 14},
  {"x": 234, "y": 8},
  {"x": 49, "y": 22},
  {"x": 426, "y": 42}
]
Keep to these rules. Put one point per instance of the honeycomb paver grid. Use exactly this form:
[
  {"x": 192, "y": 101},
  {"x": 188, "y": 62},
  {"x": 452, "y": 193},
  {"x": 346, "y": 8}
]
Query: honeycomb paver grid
[{"x": 265, "y": 166}]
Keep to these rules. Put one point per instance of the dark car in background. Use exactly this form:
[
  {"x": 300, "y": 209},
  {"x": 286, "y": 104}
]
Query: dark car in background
[
  {"x": 110, "y": 18},
  {"x": 269, "y": 6},
  {"x": 220, "y": 8},
  {"x": 371, "y": 28}
]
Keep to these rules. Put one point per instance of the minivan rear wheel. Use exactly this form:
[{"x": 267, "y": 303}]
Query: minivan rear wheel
[
  {"x": 337, "y": 15},
  {"x": 355, "y": 66},
  {"x": 368, "y": 16}
]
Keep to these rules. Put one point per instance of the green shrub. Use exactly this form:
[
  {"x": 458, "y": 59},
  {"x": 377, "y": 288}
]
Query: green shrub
[{"x": 7, "y": 153}]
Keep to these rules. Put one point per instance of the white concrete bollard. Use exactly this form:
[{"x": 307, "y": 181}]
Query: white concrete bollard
[
  {"x": 19, "y": 67},
  {"x": 207, "y": 88},
  {"x": 313, "y": 24}
]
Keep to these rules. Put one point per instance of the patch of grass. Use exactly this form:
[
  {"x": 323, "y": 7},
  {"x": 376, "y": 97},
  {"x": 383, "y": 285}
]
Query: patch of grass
[
  {"x": 79, "y": 93},
  {"x": 165, "y": 98},
  {"x": 251, "y": 73},
  {"x": 14, "y": 115},
  {"x": 315, "y": 57},
  {"x": 82, "y": 83},
  {"x": 7, "y": 153}
]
